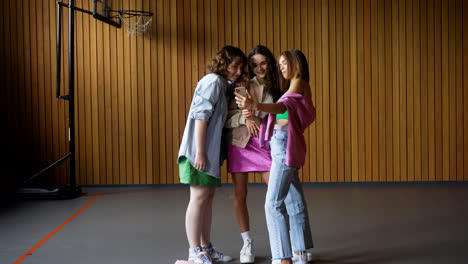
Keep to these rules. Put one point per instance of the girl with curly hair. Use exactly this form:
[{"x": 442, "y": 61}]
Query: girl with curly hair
[{"x": 199, "y": 155}]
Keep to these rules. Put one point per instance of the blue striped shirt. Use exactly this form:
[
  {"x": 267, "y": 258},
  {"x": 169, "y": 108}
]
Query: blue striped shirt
[{"x": 209, "y": 103}]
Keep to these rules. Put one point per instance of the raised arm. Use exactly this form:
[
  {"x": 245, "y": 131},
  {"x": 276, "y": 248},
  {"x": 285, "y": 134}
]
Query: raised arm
[{"x": 247, "y": 103}]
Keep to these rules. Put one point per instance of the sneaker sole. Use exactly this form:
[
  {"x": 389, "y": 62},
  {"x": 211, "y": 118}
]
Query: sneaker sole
[{"x": 247, "y": 259}]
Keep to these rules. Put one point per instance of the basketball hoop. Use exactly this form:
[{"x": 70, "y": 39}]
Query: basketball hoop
[{"x": 136, "y": 22}]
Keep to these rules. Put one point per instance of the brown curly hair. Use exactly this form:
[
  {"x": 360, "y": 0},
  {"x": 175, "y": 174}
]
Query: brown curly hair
[{"x": 223, "y": 58}]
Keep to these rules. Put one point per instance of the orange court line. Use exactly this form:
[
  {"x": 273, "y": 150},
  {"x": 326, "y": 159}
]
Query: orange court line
[{"x": 29, "y": 252}]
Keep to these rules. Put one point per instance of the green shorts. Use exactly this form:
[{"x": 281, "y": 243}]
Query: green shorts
[{"x": 189, "y": 175}]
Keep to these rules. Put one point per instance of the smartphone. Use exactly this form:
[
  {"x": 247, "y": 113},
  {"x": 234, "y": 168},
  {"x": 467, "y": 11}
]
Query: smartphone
[{"x": 241, "y": 90}]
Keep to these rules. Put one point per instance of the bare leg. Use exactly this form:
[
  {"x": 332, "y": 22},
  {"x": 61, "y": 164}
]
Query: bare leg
[
  {"x": 194, "y": 217},
  {"x": 206, "y": 225},
  {"x": 265, "y": 176},
  {"x": 241, "y": 213}
]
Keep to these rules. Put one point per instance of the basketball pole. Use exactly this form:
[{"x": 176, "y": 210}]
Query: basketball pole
[{"x": 71, "y": 190}]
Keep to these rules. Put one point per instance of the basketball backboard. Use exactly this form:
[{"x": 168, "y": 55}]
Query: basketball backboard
[{"x": 106, "y": 11}]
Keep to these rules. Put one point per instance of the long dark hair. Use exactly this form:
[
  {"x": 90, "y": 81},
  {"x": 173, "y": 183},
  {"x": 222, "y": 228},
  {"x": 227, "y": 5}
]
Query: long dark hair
[
  {"x": 272, "y": 74},
  {"x": 298, "y": 64},
  {"x": 223, "y": 58}
]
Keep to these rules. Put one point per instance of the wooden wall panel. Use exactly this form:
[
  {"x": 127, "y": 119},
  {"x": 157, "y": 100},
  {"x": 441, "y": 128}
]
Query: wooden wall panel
[{"x": 388, "y": 78}]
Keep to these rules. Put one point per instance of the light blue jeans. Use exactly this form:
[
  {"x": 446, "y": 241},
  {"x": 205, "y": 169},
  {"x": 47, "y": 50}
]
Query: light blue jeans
[{"x": 285, "y": 207}]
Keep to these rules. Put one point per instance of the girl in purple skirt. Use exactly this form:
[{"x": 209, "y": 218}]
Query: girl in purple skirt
[{"x": 244, "y": 152}]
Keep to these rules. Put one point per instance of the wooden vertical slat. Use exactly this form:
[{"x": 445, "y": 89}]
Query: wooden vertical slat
[
  {"x": 137, "y": 98},
  {"x": 430, "y": 90},
  {"x": 242, "y": 22},
  {"x": 325, "y": 91},
  {"x": 135, "y": 105},
  {"x": 375, "y": 91},
  {"x": 235, "y": 22},
  {"x": 13, "y": 81},
  {"x": 248, "y": 25},
  {"x": 319, "y": 91},
  {"x": 175, "y": 95},
  {"x": 155, "y": 115},
  {"x": 348, "y": 159},
  {"x": 333, "y": 92},
  {"x": 162, "y": 80},
  {"x": 168, "y": 90},
  {"x": 382, "y": 134},
  {"x": 121, "y": 94},
  {"x": 312, "y": 58},
  {"x": 465, "y": 89},
  {"x": 459, "y": 88},
  {"x": 128, "y": 104},
  {"x": 100, "y": 100},
  {"x": 214, "y": 27},
  {"x": 417, "y": 90},
  {"x": 262, "y": 22},
  {"x": 87, "y": 103},
  {"x": 340, "y": 91},
  {"x": 303, "y": 16},
  {"x": 108, "y": 91},
  {"x": 114, "y": 107},
  {"x": 437, "y": 90},
  {"x": 361, "y": 99},
  {"x": 354, "y": 91},
  {"x": 7, "y": 71},
  {"x": 283, "y": 25},
  {"x": 298, "y": 26},
  {"x": 221, "y": 23},
  {"x": 228, "y": 26},
  {"x": 289, "y": 21},
  {"x": 424, "y": 93},
  {"x": 367, "y": 92},
  {"x": 409, "y": 91},
  {"x": 445, "y": 95},
  {"x": 452, "y": 94},
  {"x": 269, "y": 25},
  {"x": 29, "y": 136},
  {"x": 255, "y": 23},
  {"x": 40, "y": 85},
  {"x": 396, "y": 90},
  {"x": 144, "y": 105},
  {"x": 21, "y": 86},
  {"x": 276, "y": 24},
  {"x": 96, "y": 77},
  {"x": 389, "y": 89},
  {"x": 402, "y": 89}
]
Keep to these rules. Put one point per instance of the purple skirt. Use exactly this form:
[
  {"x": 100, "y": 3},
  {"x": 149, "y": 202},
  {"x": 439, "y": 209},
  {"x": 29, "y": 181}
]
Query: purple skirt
[{"x": 252, "y": 158}]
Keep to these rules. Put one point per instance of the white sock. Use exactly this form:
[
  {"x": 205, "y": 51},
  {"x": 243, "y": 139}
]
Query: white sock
[{"x": 246, "y": 235}]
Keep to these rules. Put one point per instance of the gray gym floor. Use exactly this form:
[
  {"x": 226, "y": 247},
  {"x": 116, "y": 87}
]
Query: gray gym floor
[{"x": 381, "y": 223}]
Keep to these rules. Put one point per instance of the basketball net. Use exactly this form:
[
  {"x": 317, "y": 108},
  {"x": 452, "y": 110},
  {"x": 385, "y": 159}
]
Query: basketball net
[{"x": 136, "y": 22}]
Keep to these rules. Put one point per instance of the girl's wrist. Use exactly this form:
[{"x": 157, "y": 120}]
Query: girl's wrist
[{"x": 255, "y": 106}]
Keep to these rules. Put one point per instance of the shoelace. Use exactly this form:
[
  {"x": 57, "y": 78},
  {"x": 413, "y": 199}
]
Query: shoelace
[
  {"x": 204, "y": 258},
  {"x": 244, "y": 248}
]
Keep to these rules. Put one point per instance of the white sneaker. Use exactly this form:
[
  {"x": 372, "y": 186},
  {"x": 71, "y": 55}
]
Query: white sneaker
[
  {"x": 193, "y": 253},
  {"x": 299, "y": 258},
  {"x": 309, "y": 255},
  {"x": 215, "y": 255},
  {"x": 197, "y": 256},
  {"x": 247, "y": 254},
  {"x": 202, "y": 258}
]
